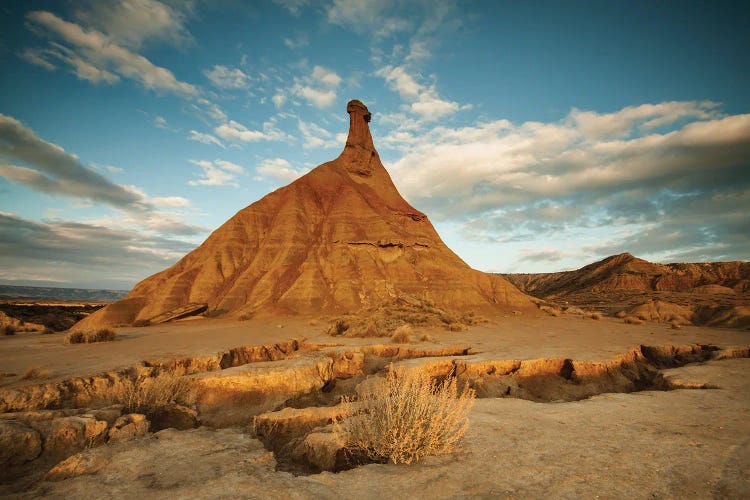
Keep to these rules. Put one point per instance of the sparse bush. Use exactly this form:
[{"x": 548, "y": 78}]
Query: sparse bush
[
  {"x": 142, "y": 322},
  {"x": 405, "y": 417},
  {"x": 550, "y": 310},
  {"x": 455, "y": 327},
  {"x": 675, "y": 326},
  {"x": 621, "y": 314},
  {"x": 47, "y": 331},
  {"x": 402, "y": 334},
  {"x": 148, "y": 394},
  {"x": 641, "y": 317},
  {"x": 425, "y": 337},
  {"x": 35, "y": 373},
  {"x": 595, "y": 316},
  {"x": 631, "y": 320},
  {"x": 339, "y": 327},
  {"x": 8, "y": 330},
  {"x": 101, "y": 335}
]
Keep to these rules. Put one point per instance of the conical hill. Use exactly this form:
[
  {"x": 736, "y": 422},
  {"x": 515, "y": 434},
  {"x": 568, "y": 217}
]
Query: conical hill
[{"x": 335, "y": 240}]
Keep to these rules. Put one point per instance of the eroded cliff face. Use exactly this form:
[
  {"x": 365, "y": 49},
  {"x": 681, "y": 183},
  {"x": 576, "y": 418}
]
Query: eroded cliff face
[{"x": 335, "y": 240}]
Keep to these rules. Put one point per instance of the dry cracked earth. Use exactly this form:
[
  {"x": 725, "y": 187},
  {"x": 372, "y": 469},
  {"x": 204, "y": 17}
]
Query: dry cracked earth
[{"x": 567, "y": 407}]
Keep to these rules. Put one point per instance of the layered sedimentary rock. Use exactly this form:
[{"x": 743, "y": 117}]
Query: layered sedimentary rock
[{"x": 335, "y": 240}]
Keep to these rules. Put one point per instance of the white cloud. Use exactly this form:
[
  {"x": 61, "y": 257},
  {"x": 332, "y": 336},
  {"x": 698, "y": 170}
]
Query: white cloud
[
  {"x": 326, "y": 77},
  {"x": 516, "y": 182},
  {"x": 278, "y": 99},
  {"x": 317, "y": 137},
  {"x": 373, "y": 18},
  {"x": 227, "y": 78},
  {"x": 234, "y": 131},
  {"x": 132, "y": 22},
  {"x": 98, "y": 58},
  {"x": 423, "y": 100},
  {"x": 319, "y": 88},
  {"x": 297, "y": 42},
  {"x": 293, "y": 6},
  {"x": 217, "y": 173},
  {"x": 170, "y": 201},
  {"x": 160, "y": 122},
  {"x": 279, "y": 169},
  {"x": 204, "y": 138}
]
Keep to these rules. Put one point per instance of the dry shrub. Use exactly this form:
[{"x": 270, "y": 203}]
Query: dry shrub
[
  {"x": 631, "y": 320},
  {"x": 101, "y": 335},
  {"x": 456, "y": 327},
  {"x": 595, "y": 316},
  {"x": 8, "y": 330},
  {"x": 148, "y": 394},
  {"x": 550, "y": 310},
  {"x": 405, "y": 417},
  {"x": 426, "y": 337},
  {"x": 47, "y": 331},
  {"x": 142, "y": 322},
  {"x": 402, "y": 334},
  {"x": 675, "y": 326},
  {"x": 35, "y": 373},
  {"x": 621, "y": 314},
  {"x": 339, "y": 327},
  {"x": 574, "y": 310},
  {"x": 382, "y": 320}
]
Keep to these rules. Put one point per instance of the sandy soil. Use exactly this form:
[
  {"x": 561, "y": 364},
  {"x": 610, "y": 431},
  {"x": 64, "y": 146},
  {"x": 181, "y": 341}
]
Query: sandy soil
[{"x": 514, "y": 337}]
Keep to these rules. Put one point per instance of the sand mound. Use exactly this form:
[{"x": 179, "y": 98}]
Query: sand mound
[
  {"x": 386, "y": 318},
  {"x": 662, "y": 311},
  {"x": 713, "y": 290},
  {"x": 338, "y": 239}
]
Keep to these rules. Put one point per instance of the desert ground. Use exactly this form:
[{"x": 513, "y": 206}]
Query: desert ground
[{"x": 543, "y": 438}]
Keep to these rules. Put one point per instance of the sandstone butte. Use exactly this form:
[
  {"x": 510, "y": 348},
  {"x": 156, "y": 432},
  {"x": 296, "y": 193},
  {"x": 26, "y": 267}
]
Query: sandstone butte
[{"x": 338, "y": 239}]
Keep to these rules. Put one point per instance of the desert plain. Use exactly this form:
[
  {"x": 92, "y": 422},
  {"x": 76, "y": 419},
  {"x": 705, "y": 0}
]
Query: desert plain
[{"x": 688, "y": 441}]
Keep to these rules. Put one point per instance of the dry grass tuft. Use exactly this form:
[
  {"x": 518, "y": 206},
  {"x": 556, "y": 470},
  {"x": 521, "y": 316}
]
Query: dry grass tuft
[
  {"x": 675, "y": 326},
  {"x": 550, "y": 310},
  {"x": 426, "y": 337},
  {"x": 595, "y": 316},
  {"x": 621, "y": 314},
  {"x": 631, "y": 320},
  {"x": 35, "y": 373},
  {"x": 101, "y": 335},
  {"x": 384, "y": 319},
  {"x": 148, "y": 394},
  {"x": 8, "y": 330},
  {"x": 402, "y": 334},
  {"x": 405, "y": 417}
]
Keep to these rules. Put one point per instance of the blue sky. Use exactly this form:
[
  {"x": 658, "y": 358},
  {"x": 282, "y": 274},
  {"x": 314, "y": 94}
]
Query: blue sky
[{"x": 538, "y": 136}]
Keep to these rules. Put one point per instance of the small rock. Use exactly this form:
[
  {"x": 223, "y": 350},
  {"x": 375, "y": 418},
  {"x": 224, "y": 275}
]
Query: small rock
[
  {"x": 80, "y": 464},
  {"x": 128, "y": 426},
  {"x": 18, "y": 443},
  {"x": 71, "y": 434},
  {"x": 173, "y": 416}
]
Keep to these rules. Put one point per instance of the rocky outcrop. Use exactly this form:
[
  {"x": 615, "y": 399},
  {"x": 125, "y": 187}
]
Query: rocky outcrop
[{"x": 335, "y": 240}]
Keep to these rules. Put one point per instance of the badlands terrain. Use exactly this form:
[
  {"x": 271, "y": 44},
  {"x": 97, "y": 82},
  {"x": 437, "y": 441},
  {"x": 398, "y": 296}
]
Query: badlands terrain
[{"x": 225, "y": 374}]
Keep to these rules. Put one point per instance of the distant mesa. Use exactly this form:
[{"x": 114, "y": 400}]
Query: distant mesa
[{"x": 336, "y": 240}]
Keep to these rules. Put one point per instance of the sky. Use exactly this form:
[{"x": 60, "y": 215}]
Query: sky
[{"x": 537, "y": 136}]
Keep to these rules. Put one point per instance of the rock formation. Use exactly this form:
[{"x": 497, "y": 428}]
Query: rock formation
[{"x": 335, "y": 240}]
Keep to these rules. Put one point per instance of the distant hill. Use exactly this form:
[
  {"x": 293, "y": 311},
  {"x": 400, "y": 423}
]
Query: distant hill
[
  {"x": 712, "y": 293},
  {"x": 67, "y": 294},
  {"x": 626, "y": 272}
]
